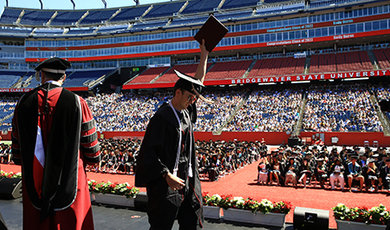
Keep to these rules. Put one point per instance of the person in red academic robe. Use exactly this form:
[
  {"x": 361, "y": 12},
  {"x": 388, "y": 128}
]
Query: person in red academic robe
[{"x": 53, "y": 138}]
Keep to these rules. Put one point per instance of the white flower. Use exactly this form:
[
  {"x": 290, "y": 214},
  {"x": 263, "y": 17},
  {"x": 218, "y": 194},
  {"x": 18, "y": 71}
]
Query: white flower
[
  {"x": 266, "y": 203},
  {"x": 217, "y": 196},
  {"x": 239, "y": 200}
]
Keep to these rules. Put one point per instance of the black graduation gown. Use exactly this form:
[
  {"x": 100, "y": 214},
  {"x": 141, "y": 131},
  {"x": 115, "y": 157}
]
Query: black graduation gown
[{"x": 158, "y": 155}]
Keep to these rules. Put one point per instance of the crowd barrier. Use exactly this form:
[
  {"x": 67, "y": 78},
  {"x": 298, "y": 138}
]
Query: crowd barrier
[
  {"x": 277, "y": 138},
  {"x": 373, "y": 139}
]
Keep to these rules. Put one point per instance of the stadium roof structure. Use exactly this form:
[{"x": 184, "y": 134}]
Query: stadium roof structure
[
  {"x": 67, "y": 23},
  {"x": 19, "y": 22}
]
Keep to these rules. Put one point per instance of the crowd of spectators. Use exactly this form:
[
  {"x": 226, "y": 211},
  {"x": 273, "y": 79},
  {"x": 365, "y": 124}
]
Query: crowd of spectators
[
  {"x": 335, "y": 108},
  {"x": 117, "y": 155},
  {"x": 314, "y": 166},
  {"x": 124, "y": 112},
  {"x": 321, "y": 166},
  {"x": 383, "y": 96},
  {"x": 219, "y": 158},
  {"x": 216, "y": 158},
  {"x": 7, "y": 107},
  {"x": 383, "y": 93},
  {"x": 340, "y": 109},
  {"x": 212, "y": 115},
  {"x": 268, "y": 111},
  {"x": 131, "y": 112}
]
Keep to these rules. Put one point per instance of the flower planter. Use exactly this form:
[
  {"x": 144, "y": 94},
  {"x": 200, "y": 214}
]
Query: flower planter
[
  {"x": 245, "y": 216},
  {"x": 212, "y": 212},
  {"x": 112, "y": 199},
  {"x": 350, "y": 225}
]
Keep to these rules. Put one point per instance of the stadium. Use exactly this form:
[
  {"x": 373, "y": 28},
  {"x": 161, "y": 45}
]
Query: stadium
[{"x": 307, "y": 73}]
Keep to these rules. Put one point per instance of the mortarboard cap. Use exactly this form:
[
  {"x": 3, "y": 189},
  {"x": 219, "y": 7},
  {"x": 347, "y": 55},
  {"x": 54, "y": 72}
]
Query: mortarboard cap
[
  {"x": 53, "y": 65},
  {"x": 190, "y": 84},
  {"x": 212, "y": 32}
]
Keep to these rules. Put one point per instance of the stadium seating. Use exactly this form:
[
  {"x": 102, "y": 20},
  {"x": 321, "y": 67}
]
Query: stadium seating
[
  {"x": 196, "y": 6},
  {"x": 148, "y": 75},
  {"x": 10, "y": 15},
  {"x": 162, "y": 10},
  {"x": 8, "y": 78},
  {"x": 353, "y": 61},
  {"x": 271, "y": 9},
  {"x": 342, "y": 108},
  {"x": 268, "y": 111},
  {"x": 7, "y": 107},
  {"x": 210, "y": 117},
  {"x": 228, "y": 70},
  {"x": 32, "y": 83},
  {"x": 67, "y": 17},
  {"x": 278, "y": 67},
  {"x": 36, "y": 17},
  {"x": 98, "y": 16},
  {"x": 323, "y": 63},
  {"x": 383, "y": 57},
  {"x": 78, "y": 78},
  {"x": 170, "y": 76},
  {"x": 129, "y": 13},
  {"x": 7, "y": 81},
  {"x": 349, "y": 61},
  {"x": 229, "y": 4}
]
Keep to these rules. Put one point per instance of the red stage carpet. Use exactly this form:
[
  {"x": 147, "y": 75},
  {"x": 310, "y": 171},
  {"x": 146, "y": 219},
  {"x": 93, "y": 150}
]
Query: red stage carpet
[{"x": 242, "y": 183}]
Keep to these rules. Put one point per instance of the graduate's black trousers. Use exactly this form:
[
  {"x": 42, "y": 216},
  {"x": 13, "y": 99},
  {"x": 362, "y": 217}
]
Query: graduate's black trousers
[{"x": 166, "y": 205}]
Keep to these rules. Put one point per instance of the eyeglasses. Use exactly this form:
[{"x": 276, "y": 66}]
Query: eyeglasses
[{"x": 191, "y": 97}]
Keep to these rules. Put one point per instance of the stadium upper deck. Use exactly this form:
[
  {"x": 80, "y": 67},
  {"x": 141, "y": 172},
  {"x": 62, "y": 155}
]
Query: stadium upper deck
[{"x": 161, "y": 34}]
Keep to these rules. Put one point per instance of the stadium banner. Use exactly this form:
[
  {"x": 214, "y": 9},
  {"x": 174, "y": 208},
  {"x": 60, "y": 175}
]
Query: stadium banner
[
  {"x": 24, "y": 90},
  {"x": 310, "y": 77},
  {"x": 266, "y": 80},
  {"x": 12, "y": 90},
  {"x": 232, "y": 34}
]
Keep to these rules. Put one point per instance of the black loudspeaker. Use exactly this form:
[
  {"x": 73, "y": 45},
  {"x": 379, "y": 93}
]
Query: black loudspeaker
[
  {"x": 2, "y": 223},
  {"x": 293, "y": 141},
  {"x": 10, "y": 188},
  {"x": 308, "y": 218},
  {"x": 213, "y": 174}
]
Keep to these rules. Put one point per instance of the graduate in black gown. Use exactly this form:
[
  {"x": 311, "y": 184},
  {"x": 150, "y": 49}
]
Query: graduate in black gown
[{"x": 166, "y": 164}]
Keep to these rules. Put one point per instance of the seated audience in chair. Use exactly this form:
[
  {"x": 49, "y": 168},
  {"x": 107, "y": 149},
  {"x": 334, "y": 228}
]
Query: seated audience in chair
[
  {"x": 371, "y": 175},
  {"x": 354, "y": 173},
  {"x": 337, "y": 170}
]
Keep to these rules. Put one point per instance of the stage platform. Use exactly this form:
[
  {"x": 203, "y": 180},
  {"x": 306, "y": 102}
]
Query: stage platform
[
  {"x": 243, "y": 183},
  {"x": 107, "y": 218}
]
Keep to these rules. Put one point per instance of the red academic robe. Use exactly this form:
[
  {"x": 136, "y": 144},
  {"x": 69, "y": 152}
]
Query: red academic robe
[{"x": 77, "y": 213}]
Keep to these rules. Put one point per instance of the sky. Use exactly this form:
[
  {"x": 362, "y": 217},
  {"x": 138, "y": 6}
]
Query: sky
[{"x": 67, "y": 4}]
